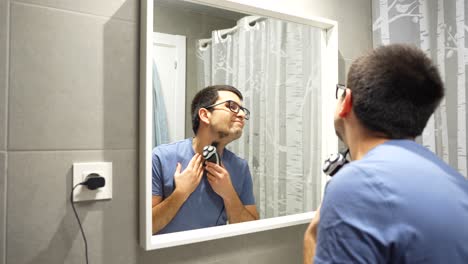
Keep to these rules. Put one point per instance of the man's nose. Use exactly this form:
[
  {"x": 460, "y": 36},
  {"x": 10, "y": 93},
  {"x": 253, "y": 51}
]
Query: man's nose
[{"x": 241, "y": 113}]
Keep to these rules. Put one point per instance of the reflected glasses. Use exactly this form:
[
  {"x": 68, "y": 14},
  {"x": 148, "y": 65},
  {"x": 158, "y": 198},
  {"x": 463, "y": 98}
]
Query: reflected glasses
[
  {"x": 340, "y": 90},
  {"x": 233, "y": 106}
]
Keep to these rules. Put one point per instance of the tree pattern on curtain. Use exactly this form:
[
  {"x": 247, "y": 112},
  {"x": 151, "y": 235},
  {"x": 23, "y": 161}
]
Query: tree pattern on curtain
[
  {"x": 277, "y": 67},
  {"x": 438, "y": 28}
]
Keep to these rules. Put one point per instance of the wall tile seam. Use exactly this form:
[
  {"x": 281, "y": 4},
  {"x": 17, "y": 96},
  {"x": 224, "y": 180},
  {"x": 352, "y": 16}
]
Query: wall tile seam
[{"x": 75, "y": 12}]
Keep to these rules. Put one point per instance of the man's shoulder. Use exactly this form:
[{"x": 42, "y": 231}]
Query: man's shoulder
[
  {"x": 233, "y": 157},
  {"x": 352, "y": 179},
  {"x": 354, "y": 168},
  {"x": 403, "y": 157},
  {"x": 172, "y": 147}
]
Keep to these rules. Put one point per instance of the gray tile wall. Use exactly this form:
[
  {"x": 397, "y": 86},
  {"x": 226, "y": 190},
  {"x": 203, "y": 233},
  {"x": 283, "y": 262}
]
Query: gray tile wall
[
  {"x": 41, "y": 225},
  {"x": 69, "y": 93},
  {"x": 73, "y": 80}
]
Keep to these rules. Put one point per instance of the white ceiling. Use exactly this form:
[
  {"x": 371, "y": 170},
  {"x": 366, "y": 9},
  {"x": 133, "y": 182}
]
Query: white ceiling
[{"x": 202, "y": 9}]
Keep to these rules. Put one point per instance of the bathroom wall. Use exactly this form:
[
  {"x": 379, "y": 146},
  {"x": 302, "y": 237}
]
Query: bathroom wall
[
  {"x": 3, "y": 121},
  {"x": 69, "y": 93}
]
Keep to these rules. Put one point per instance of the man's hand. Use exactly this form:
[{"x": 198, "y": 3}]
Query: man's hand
[
  {"x": 310, "y": 238},
  {"x": 164, "y": 211},
  {"x": 219, "y": 179},
  {"x": 187, "y": 181}
]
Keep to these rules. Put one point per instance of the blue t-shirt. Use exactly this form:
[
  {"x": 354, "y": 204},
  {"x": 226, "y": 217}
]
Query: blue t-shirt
[
  {"x": 204, "y": 207},
  {"x": 399, "y": 204}
]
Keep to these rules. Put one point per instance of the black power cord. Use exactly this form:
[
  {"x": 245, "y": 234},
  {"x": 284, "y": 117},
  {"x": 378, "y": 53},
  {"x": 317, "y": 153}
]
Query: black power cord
[
  {"x": 220, "y": 214},
  {"x": 93, "y": 182},
  {"x": 79, "y": 222}
]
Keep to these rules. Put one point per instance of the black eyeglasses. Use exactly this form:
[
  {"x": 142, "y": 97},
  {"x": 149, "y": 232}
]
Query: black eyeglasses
[
  {"x": 340, "y": 87},
  {"x": 234, "y": 107}
]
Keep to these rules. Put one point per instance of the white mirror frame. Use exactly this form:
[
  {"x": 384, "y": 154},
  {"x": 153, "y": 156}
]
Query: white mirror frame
[{"x": 329, "y": 141}]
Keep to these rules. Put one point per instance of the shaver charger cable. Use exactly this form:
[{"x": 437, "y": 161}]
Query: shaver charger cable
[{"x": 93, "y": 182}]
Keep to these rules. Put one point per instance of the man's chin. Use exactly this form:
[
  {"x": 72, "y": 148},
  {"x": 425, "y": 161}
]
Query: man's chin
[{"x": 229, "y": 136}]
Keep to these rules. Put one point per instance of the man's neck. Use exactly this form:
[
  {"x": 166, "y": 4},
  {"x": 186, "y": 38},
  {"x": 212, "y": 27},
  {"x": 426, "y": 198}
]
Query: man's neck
[
  {"x": 200, "y": 141},
  {"x": 361, "y": 141}
]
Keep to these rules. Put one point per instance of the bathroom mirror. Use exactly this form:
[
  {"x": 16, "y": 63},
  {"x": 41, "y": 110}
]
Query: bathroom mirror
[{"x": 286, "y": 67}]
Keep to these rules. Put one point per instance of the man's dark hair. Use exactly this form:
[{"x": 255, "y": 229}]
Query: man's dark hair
[
  {"x": 395, "y": 89},
  {"x": 206, "y": 97}
]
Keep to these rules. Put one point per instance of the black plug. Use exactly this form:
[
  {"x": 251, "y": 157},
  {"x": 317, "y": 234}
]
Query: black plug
[{"x": 94, "y": 181}]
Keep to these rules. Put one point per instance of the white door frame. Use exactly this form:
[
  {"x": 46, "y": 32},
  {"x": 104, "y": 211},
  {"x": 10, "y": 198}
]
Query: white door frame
[{"x": 175, "y": 109}]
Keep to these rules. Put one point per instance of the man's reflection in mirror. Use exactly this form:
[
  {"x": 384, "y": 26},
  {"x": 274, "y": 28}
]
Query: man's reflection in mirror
[{"x": 189, "y": 193}]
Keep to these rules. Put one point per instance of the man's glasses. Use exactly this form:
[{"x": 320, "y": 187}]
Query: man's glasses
[
  {"x": 233, "y": 106},
  {"x": 340, "y": 90}
]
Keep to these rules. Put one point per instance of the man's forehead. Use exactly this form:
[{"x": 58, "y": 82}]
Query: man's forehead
[{"x": 228, "y": 95}]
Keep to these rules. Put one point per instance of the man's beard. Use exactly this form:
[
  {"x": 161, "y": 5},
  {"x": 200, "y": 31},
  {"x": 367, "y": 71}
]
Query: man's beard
[
  {"x": 338, "y": 135},
  {"x": 337, "y": 130},
  {"x": 226, "y": 136},
  {"x": 222, "y": 135}
]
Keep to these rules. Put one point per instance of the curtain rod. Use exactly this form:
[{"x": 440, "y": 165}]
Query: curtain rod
[{"x": 224, "y": 32}]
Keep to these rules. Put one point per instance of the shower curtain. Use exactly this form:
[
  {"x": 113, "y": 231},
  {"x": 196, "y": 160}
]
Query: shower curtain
[{"x": 277, "y": 67}]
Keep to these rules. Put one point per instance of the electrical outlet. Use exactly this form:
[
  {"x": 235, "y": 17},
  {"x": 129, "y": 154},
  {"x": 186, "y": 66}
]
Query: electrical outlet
[{"x": 81, "y": 172}]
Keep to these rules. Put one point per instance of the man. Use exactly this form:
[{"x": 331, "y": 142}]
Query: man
[
  {"x": 396, "y": 201},
  {"x": 183, "y": 197}
]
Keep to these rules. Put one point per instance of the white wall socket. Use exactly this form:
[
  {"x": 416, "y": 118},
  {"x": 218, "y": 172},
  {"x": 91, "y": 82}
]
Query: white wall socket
[{"x": 81, "y": 171}]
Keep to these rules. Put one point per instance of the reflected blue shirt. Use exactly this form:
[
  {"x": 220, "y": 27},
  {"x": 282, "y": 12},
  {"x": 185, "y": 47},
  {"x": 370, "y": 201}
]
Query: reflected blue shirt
[
  {"x": 203, "y": 208},
  {"x": 399, "y": 204}
]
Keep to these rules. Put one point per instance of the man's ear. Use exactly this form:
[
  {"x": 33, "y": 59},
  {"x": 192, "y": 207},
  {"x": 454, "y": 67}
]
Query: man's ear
[
  {"x": 204, "y": 114},
  {"x": 346, "y": 104}
]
